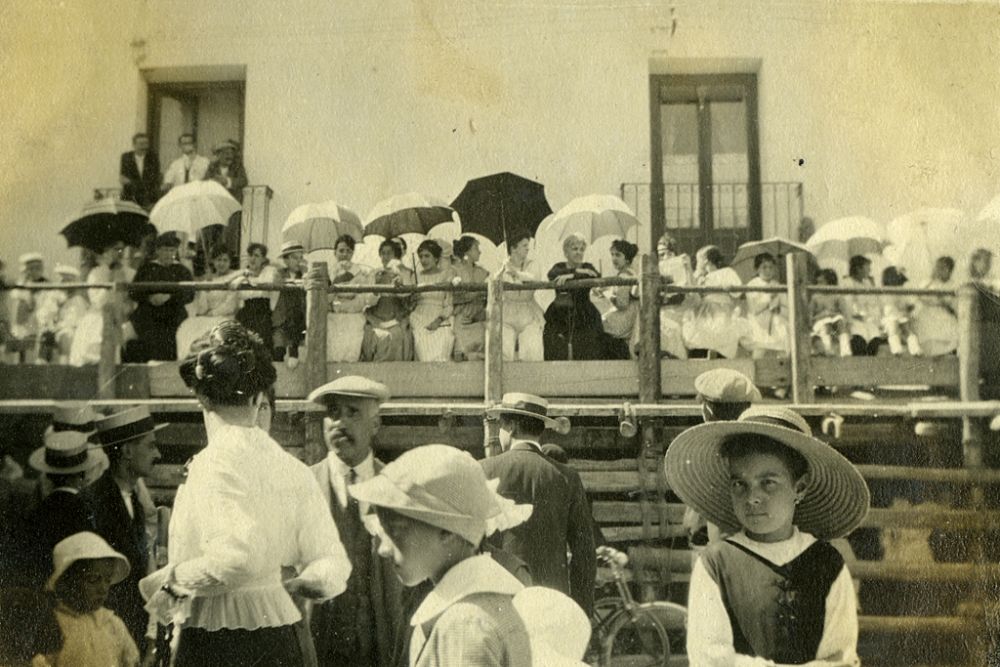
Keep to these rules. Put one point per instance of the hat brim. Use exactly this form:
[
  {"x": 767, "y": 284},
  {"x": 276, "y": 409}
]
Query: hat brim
[
  {"x": 318, "y": 396},
  {"x": 155, "y": 429},
  {"x": 122, "y": 568},
  {"x": 836, "y": 499},
  {"x": 499, "y": 411},
  {"x": 37, "y": 461}
]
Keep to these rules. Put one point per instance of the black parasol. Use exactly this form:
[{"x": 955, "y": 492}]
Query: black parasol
[
  {"x": 497, "y": 206},
  {"x": 104, "y": 222}
]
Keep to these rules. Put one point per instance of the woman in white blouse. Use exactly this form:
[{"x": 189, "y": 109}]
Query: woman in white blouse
[
  {"x": 345, "y": 322},
  {"x": 246, "y": 509}
]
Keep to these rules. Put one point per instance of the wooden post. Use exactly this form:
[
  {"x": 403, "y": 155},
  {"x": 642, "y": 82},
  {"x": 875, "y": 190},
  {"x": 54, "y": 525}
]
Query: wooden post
[
  {"x": 649, "y": 392},
  {"x": 969, "y": 374},
  {"x": 493, "y": 370},
  {"x": 317, "y": 307},
  {"x": 800, "y": 336},
  {"x": 110, "y": 342}
]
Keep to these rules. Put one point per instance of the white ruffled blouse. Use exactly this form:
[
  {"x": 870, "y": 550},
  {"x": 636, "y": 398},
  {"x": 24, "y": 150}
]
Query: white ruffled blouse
[{"x": 247, "y": 509}]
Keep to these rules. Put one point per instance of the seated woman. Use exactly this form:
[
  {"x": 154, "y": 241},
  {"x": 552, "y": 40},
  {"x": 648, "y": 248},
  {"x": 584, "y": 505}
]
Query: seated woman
[
  {"x": 522, "y": 316},
  {"x": 469, "y": 307},
  {"x": 715, "y": 328},
  {"x": 620, "y": 315},
  {"x": 572, "y": 323},
  {"x": 767, "y": 313},
  {"x": 255, "y": 311},
  {"x": 433, "y": 336},
  {"x": 345, "y": 323},
  {"x": 935, "y": 322},
  {"x": 387, "y": 334},
  {"x": 896, "y": 320},
  {"x": 828, "y": 319},
  {"x": 85, "y": 347},
  {"x": 210, "y": 308},
  {"x": 674, "y": 268},
  {"x": 863, "y": 311}
]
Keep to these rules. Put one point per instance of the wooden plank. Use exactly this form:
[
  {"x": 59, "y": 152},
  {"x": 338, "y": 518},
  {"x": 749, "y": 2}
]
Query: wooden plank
[
  {"x": 315, "y": 373},
  {"x": 943, "y": 475},
  {"x": 951, "y": 573},
  {"x": 165, "y": 380},
  {"x": 624, "y": 512},
  {"x": 407, "y": 379},
  {"x": 800, "y": 342},
  {"x": 918, "y": 624},
  {"x": 649, "y": 368},
  {"x": 772, "y": 372},
  {"x": 493, "y": 378},
  {"x": 51, "y": 382},
  {"x": 886, "y": 371},
  {"x": 677, "y": 375},
  {"x": 573, "y": 378}
]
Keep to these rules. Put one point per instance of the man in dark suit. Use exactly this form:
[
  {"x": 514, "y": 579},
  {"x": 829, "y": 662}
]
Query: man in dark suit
[
  {"x": 65, "y": 460},
  {"x": 139, "y": 173},
  {"x": 358, "y": 627},
  {"x": 561, "y": 518},
  {"x": 129, "y": 440}
]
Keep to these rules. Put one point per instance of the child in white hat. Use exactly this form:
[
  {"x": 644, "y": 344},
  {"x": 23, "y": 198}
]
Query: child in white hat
[
  {"x": 86, "y": 568},
  {"x": 781, "y": 494},
  {"x": 433, "y": 507}
]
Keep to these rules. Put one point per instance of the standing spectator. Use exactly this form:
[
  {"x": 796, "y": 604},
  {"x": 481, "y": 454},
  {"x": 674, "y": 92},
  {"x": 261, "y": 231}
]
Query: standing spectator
[
  {"x": 935, "y": 321},
  {"x": 387, "y": 330},
  {"x": 66, "y": 460},
  {"x": 119, "y": 517},
  {"x": 24, "y": 303},
  {"x": 862, "y": 310},
  {"x": 227, "y": 169},
  {"x": 255, "y": 311},
  {"x": 561, "y": 457},
  {"x": 188, "y": 167},
  {"x": 355, "y": 629},
  {"x": 620, "y": 317},
  {"x": 767, "y": 313},
  {"x": 86, "y": 345},
  {"x": 139, "y": 173},
  {"x": 157, "y": 316},
  {"x": 345, "y": 323},
  {"x": 675, "y": 269},
  {"x": 289, "y": 316},
  {"x": 523, "y": 318},
  {"x": 715, "y": 330},
  {"x": 469, "y": 307},
  {"x": 561, "y": 520},
  {"x": 433, "y": 335},
  {"x": 572, "y": 323},
  {"x": 247, "y": 509}
]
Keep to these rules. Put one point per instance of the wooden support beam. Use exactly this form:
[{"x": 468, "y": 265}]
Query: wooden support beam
[
  {"x": 317, "y": 308},
  {"x": 649, "y": 329},
  {"x": 799, "y": 320},
  {"x": 493, "y": 371}
]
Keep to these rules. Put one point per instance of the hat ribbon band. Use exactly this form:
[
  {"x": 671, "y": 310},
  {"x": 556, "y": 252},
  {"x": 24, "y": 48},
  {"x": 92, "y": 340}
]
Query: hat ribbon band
[
  {"x": 535, "y": 408},
  {"x": 126, "y": 431},
  {"x": 57, "y": 460},
  {"x": 59, "y": 427},
  {"x": 772, "y": 421}
]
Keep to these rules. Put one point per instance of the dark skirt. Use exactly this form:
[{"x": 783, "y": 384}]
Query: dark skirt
[
  {"x": 265, "y": 647},
  {"x": 255, "y": 315}
]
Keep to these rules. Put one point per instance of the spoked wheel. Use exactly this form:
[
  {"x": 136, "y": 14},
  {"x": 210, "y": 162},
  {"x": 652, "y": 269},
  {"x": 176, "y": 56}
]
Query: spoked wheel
[{"x": 636, "y": 638}]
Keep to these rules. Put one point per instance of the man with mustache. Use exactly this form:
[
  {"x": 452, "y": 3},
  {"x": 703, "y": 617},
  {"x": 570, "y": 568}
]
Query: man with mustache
[{"x": 358, "y": 627}]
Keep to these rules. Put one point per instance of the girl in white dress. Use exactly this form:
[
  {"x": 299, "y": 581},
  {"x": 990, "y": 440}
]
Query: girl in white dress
[
  {"x": 433, "y": 336},
  {"x": 715, "y": 326},
  {"x": 935, "y": 322},
  {"x": 86, "y": 345},
  {"x": 896, "y": 319},
  {"x": 620, "y": 310},
  {"x": 675, "y": 268},
  {"x": 523, "y": 319},
  {"x": 863, "y": 311},
  {"x": 345, "y": 323},
  {"x": 767, "y": 313},
  {"x": 210, "y": 308}
]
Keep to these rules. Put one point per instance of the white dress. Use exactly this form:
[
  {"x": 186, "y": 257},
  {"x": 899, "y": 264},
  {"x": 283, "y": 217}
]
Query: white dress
[
  {"x": 672, "y": 314},
  {"x": 523, "y": 319},
  {"x": 768, "y": 317},
  {"x": 715, "y": 325},
  {"x": 208, "y": 309},
  {"x": 433, "y": 345},
  {"x": 935, "y": 322},
  {"x": 86, "y": 345},
  {"x": 345, "y": 323},
  {"x": 863, "y": 311}
]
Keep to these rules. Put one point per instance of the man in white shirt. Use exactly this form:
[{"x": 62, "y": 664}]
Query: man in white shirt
[
  {"x": 188, "y": 167},
  {"x": 358, "y": 627}
]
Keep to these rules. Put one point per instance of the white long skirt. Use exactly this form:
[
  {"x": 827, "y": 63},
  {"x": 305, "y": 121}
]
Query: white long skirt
[
  {"x": 344, "y": 334},
  {"x": 431, "y": 345}
]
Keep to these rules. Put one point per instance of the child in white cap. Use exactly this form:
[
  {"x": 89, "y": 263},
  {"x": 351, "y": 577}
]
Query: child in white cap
[{"x": 85, "y": 569}]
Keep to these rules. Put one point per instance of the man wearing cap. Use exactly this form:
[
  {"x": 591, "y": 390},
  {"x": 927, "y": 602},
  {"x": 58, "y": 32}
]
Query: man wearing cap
[
  {"x": 724, "y": 395},
  {"x": 139, "y": 172},
  {"x": 65, "y": 459},
  {"x": 561, "y": 518},
  {"x": 119, "y": 514},
  {"x": 358, "y": 627},
  {"x": 289, "y": 316},
  {"x": 157, "y": 316}
]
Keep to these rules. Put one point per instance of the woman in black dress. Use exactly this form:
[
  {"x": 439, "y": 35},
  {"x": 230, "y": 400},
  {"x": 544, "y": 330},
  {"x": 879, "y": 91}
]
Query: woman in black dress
[
  {"x": 255, "y": 314},
  {"x": 572, "y": 323}
]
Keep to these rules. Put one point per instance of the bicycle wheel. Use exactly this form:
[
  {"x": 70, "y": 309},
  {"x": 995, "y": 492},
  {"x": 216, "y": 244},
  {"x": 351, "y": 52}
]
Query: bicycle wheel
[{"x": 635, "y": 638}]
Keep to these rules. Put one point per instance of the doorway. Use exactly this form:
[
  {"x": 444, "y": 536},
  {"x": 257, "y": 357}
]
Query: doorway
[
  {"x": 212, "y": 111},
  {"x": 705, "y": 186}
]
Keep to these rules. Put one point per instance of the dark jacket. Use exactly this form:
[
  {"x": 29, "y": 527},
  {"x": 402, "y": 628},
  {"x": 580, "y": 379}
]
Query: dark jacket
[
  {"x": 561, "y": 518},
  {"x": 144, "y": 189},
  {"x": 127, "y": 536},
  {"x": 62, "y": 513},
  {"x": 235, "y": 181}
]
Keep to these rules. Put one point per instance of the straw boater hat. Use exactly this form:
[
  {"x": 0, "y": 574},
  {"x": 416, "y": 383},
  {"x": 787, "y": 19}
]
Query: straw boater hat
[
  {"x": 724, "y": 385},
  {"x": 288, "y": 247},
  {"x": 446, "y": 488},
  {"x": 836, "y": 499},
  {"x": 124, "y": 426},
  {"x": 350, "y": 385},
  {"x": 85, "y": 546},
  {"x": 29, "y": 257},
  {"x": 64, "y": 453},
  {"x": 529, "y": 405},
  {"x": 74, "y": 416}
]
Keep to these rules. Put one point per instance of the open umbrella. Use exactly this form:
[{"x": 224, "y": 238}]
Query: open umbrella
[
  {"x": 776, "y": 247},
  {"x": 592, "y": 217},
  {"x": 190, "y": 207},
  {"x": 846, "y": 237},
  {"x": 318, "y": 226},
  {"x": 496, "y": 206},
  {"x": 410, "y": 213},
  {"x": 104, "y": 222},
  {"x": 918, "y": 238}
]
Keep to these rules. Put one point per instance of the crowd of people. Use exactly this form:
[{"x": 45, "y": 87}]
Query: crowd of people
[{"x": 434, "y": 559}]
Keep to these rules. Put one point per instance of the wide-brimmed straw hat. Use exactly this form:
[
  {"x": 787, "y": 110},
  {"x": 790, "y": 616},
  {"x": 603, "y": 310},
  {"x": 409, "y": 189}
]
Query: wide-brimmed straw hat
[
  {"x": 529, "y": 405},
  {"x": 85, "y": 546},
  {"x": 446, "y": 488},
  {"x": 126, "y": 425},
  {"x": 64, "y": 453},
  {"x": 836, "y": 498}
]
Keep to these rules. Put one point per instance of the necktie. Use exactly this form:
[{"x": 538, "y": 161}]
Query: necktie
[
  {"x": 187, "y": 172},
  {"x": 352, "y": 478},
  {"x": 139, "y": 525}
]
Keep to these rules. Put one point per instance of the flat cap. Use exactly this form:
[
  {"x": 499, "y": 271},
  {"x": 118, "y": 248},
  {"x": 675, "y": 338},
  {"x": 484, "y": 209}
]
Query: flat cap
[
  {"x": 351, "y": 385},
  {"x": 724, "y": 385}
]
